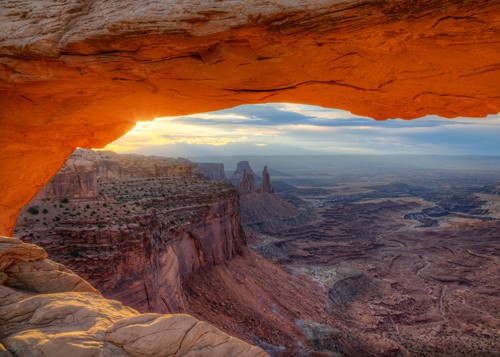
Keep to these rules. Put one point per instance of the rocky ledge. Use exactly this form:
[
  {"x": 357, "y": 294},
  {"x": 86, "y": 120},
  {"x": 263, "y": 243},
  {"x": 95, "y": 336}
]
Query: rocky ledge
[
  {"x": 136, "y": 227},
  {"x": 47, "y": 310}
]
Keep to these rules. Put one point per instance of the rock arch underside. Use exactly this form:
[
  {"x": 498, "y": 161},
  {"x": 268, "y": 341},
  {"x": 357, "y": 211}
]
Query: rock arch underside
[{"x": 80, "y": 73}]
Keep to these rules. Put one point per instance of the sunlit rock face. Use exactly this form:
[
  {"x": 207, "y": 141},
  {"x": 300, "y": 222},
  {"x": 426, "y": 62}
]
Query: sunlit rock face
[
  {"x": 81, "y": 73},
  {"x": 47, "y": 310}
]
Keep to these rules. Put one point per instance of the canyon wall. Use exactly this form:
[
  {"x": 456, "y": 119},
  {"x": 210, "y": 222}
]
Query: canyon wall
[
  {"x": 143, "y": 262},
  {"x": 141, "y": 235},
  {"x": 79, "y": 176},
  {"x": 211, "y": 171},
  {"x": 47, "y": 310},
  {"x": 169, "y": 244},
  {"x": 262, "y": 211},
  {"x": 81, "y": 74}
]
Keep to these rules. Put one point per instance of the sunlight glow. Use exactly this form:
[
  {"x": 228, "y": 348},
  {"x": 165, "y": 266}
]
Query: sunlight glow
[{"x": 284, "y": 128}]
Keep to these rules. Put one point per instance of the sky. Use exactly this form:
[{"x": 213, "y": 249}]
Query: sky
[{"x": 295, "y": 129}]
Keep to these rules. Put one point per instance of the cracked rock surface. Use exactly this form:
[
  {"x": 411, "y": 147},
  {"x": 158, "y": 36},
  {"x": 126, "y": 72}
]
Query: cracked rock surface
[{"x": 46, "y": 310}]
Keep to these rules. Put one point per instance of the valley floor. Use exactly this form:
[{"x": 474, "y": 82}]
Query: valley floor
[{"x": 398, "y": 283}]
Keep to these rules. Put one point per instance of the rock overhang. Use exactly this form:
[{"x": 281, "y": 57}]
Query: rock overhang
[{"x": 82, "y": 73}]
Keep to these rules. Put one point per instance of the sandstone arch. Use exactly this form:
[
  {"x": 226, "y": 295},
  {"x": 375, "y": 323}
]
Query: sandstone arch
[{"x": 82, "y": 72}]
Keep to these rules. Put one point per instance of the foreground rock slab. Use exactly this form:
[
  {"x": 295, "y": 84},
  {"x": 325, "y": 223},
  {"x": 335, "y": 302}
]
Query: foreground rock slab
[{"x": 46, "y": 310}]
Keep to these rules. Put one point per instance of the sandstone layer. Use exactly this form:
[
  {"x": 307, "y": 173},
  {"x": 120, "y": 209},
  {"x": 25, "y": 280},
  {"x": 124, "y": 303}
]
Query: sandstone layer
[
  {"x": 80, "y": 73},
  {"x": 85, "y": 169},
  {"x": 211, "y": 171},
  {"x": 175, "y": 244},
  {"x": 262, "y": 210},
  {"x": 46, "y": 310},
  {"x": 150, "y": 225}
]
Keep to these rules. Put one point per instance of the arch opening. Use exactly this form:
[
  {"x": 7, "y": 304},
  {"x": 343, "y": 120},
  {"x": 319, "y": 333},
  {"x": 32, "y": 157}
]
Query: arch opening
[{"x": 388, "y": 234}]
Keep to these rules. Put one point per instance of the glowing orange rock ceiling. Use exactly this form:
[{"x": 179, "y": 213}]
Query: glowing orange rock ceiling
[{"x": 81, "y": 73}]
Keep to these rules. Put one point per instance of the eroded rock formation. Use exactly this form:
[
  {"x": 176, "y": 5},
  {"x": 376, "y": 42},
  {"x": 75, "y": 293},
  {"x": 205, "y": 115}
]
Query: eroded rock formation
[
  {"x": 173, "y": 244},
  {"x": 261, "y": 210},
  {"x": 246, "y": 183},
  {"x": 242, "y": 167},
  {"x": 47, "y": 310},
  {"x": 80, "y": 74},
  {"x": 265, "y": 185},
  {"x": 211, "y": 171},
  {"x": 80, "y": 175},
  {"x": 151, "y": 225}
]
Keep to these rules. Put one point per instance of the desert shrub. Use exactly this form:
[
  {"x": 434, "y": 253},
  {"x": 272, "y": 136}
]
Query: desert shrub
[
  {"x": 64, "y": 200},
  {"x": 75, "y": 254},
  {"x": 33, "y": 210},
  {"x": 45, "y": 211}
]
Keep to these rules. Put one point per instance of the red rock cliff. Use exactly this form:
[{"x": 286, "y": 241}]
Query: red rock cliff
[
  {"x": 80, "y": 74},
  {"x": 47, "y": 310},
  {"x": 139, "y": 238}
]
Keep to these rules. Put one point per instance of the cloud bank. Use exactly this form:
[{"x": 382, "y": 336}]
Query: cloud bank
[{"x": 294, "y": 129}]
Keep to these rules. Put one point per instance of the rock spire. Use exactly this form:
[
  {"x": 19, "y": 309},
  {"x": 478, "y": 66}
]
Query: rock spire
[
  {"x": 247, "y": 182},
  {"x": 266, "y": 181}
]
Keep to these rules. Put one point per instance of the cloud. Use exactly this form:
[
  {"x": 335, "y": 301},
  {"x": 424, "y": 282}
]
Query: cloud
[{"x": 283, "y": 128}]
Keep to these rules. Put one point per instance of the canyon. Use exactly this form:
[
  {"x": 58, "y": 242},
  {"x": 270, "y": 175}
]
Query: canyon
[
  {"x": 331, "y": 258},
  {"x": 149, "y": 224},
  {"x": 407, "y": 249},
  {"x": 82, "y": 73},
  {"x": 158, "y": 238}
]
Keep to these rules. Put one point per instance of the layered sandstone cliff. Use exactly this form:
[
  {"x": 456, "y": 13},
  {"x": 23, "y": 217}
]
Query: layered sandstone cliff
[
  {"x": 47, "y": 310},
  {"x": 79, "y": 176},
  {"x": 211, "y": 171},
  {"x": 145, "y": 231},
  {"x": 175, "y": 244},
  {"x": 262, "y": 211},
  {"x": 242, "y": 167}
]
